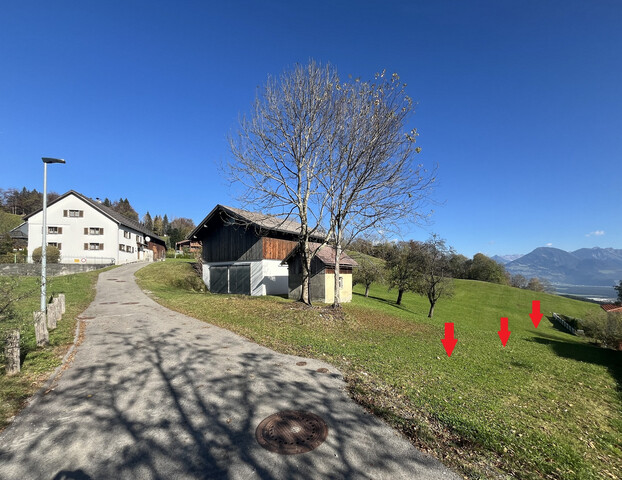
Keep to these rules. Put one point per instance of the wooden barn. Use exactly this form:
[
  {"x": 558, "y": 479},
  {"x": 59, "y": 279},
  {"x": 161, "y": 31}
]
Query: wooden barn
[
  {"x": 322, "y": 284},
  {"x": 243, "y": 251}
]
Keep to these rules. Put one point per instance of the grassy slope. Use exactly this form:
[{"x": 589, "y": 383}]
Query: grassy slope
[
  {"x": 546, "y": 406},
  {"x": 38, "y": 363},
  {"x": 8, "y": 221}
]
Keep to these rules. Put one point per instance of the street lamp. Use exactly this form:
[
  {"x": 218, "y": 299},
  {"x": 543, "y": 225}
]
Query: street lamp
[{"x": 46, "y": 160}]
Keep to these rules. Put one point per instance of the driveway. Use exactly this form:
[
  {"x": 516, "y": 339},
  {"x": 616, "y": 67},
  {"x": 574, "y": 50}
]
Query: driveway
[{"x": 153, "y": 394}]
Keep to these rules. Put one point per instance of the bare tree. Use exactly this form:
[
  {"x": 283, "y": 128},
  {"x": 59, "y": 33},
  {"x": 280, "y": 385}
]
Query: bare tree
[
  {"x": 280, "y": 151},
  {"x": 333, "y": 154},
  {"x": 373, "y": 182}
]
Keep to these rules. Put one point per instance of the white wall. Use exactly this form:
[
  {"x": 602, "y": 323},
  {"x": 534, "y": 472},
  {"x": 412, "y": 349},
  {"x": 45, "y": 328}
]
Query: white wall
[
  {"x": 268, "y": 277},
  {"x": 275, "y": 277},
  {"x": 72, "y": 238}
]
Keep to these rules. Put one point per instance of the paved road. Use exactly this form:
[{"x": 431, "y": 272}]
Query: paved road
[{"x": 153, "y": 394}]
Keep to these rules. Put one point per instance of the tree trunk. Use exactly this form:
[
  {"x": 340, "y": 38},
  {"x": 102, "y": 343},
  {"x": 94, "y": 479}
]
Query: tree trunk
[
  {"x": 431, "y": 312},
  {"x": 337, "y": 294},
  {"x": 12, "y": 353},
  {"x": 367, "y": 290},
  {"x": 41, "y": 330},
  {"x": 305, "y": 293},
  {"x": 399, "y": 296}
]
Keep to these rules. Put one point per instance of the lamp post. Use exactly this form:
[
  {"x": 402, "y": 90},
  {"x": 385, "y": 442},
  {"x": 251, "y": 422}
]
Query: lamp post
[{"x": 46, "y": 160}]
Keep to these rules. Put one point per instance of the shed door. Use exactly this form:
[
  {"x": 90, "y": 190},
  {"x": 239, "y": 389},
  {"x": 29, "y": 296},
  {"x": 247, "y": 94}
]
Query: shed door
[
  {"x": 240, "y": 279},
  {"x": 230, "y": 279},
  {"x": 218, "y": 279}
]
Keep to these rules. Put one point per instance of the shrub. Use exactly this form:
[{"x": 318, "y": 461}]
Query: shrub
[
  {"x": 605, "y": 327},
  {"x": 52, "y": 254},
  {"x": 576, "y": 323}
]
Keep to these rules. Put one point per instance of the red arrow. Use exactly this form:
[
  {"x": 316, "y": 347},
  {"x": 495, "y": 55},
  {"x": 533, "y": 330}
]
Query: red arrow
[
  {"x": 449, "y": 342},
  {"x": 504, "y": 333},
  {"x": 535, "y": 314}
]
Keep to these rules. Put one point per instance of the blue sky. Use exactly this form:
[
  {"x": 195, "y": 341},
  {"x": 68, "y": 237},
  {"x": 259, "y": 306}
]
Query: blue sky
[{"x": 519, "y": 103}]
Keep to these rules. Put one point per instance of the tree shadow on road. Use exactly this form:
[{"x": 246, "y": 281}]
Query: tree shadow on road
[{"x": 185, "y": 403}]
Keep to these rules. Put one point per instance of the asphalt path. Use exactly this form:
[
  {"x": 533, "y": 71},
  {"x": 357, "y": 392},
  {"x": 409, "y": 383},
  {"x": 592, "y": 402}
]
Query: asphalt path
[{"x": 153, "y": 394}]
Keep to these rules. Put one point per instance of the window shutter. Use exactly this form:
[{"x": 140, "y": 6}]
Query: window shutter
[
  {"x": 64, "y": 213},
  {"x": 101, "y": 246},
  {"x": 81, "y": 213},
  {"x": 86, "y": 246},
  {"x": 101, "y": 231},
  {"x": 86, "y": 231},
  {"x": 60, "y": 229},
  {"x": 60, "y": 245}
]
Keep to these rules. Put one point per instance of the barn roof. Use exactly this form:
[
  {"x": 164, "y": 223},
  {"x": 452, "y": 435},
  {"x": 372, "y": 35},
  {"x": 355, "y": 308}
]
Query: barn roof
[{"x": 271, "y": 223}]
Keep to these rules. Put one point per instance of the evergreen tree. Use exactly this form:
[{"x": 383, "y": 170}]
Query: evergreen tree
[
  {"x": 148, "y": 222},
  {"x": 124, "y": 208},
  {"x": 166, "y": 226}
]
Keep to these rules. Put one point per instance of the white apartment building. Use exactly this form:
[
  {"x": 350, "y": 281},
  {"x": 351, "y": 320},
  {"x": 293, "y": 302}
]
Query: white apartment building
[{"x": 85, "y": 231}]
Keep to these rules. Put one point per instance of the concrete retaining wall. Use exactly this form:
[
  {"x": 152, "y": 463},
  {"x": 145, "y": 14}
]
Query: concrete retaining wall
[{"x": 52, "y": 270}]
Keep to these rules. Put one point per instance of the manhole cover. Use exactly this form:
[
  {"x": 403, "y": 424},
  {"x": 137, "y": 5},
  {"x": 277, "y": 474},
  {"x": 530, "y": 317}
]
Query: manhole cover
[
  {"x": 322, "y": 370},
  {"x": 301, "y": 364},
  {"x": 291, "y": 432}
]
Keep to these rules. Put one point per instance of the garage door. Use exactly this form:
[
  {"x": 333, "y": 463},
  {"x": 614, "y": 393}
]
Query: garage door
[
  {"x": 218, "y": 280},
  {"x": 231, "y": 279}
]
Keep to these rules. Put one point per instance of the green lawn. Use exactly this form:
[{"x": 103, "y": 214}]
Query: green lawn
[
  {"x": 548, "y": 405},
  {"x": 39, "y": 363}
]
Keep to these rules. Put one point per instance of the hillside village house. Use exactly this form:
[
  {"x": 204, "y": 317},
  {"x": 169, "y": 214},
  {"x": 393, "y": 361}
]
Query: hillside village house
[
  {"x": 85, "y": 231},
  {"x": 243, "y": 251}
]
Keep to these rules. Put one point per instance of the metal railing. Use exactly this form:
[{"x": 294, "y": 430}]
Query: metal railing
[{"x": 566, "y": 325}]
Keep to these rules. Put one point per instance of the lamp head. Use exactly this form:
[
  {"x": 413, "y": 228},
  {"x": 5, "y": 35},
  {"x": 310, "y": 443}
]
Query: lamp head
[{"x": 52, "y": 160}]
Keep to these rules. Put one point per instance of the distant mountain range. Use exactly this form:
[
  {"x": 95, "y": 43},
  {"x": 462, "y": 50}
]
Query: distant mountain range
[
  {"x": 586, "y": 266},
  {"x": 503, "y": 259}
]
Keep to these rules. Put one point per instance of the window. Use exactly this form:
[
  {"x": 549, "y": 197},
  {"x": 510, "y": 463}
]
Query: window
[
  {"x": 127, "y": 234},
  {"x": 139, "y": 239},
  {"x": 93, "y": 231},
  {"x": 73, "y": 213},
  {"x": 55, "y": 230},
  {"x": 340, "y": 282},
  {"x": 93, "y": 246},
  {"x": 55, "y": 244},
  {"x": 121, "y": 247}
]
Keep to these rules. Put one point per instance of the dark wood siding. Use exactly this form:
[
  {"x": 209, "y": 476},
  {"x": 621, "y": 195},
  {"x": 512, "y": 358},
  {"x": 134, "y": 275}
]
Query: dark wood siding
[
  {"x": 277, "y": 249},
  {"x": 228, "y": 243}
]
